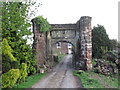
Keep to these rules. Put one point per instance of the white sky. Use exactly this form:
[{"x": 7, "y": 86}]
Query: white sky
[{"x": 103, "y": 12}]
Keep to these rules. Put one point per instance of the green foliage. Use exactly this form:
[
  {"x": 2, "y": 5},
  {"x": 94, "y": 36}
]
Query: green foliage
[
  {"x": 31, "y": 63},
  {"x": 15, "y": 14},
  {"x": 7, "y": 50},
  {"x": 8, "y": 60},
  {"x": 118, "y": 44},
  {"x": 32, "y": 70},
  {"x": 113, "y": 43},
  {"x": 111, "y": 56},
  {"x": 44, "y": 25},
  {"x": 31, "y": 80},
  {"x": 86, "y": 80},
  {"x": 95, "y": 80},
  {"x": 15, "y": 29},
  {"x": 15, "y": 32},
  {"x": 100, "y": 41},
  {"x": 10, "y": 78},
  {"x": 93, "y": 62},
  {"x": 23, "y": 73},
  {"x": 27, "y": 56},
  {"x": 60, "y": 57},
  {"x": 111, "y": 81}
]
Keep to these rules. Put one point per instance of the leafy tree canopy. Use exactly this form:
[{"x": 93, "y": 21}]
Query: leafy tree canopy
[
  {"x": 15, "y": 25},
  {"x": 100, "y": 41}
]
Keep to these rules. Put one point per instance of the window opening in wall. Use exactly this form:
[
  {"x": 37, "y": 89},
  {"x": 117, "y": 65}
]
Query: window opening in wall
[{"x": 58, "y": 45}]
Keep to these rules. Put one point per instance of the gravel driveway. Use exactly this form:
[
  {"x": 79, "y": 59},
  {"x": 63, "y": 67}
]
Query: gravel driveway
[{"x": 60, "y": 77}]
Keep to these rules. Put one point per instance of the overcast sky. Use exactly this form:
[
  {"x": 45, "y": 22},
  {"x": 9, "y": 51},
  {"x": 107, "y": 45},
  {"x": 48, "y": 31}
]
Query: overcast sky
[{"x": 103, "y": 12}]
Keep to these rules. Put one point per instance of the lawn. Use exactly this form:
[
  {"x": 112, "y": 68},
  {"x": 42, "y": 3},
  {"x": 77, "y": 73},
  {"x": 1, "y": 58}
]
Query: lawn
[{"x": 30, "y": 81}]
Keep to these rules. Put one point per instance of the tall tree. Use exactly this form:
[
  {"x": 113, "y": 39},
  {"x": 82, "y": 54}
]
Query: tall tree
[
  {"x": 113, "y": 43},
  {"x": 100, "y": 41},
  {"x": 15, "y": 24}
]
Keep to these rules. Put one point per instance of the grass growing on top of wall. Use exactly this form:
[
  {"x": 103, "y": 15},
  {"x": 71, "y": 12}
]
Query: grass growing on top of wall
[{"x": 31, "y": 80}]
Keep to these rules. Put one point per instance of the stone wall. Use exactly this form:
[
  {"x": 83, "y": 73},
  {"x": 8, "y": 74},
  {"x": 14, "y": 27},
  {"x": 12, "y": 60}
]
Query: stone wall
[
  {"x": 85, "y": 39},
  {"x": 66, "y": 26}
]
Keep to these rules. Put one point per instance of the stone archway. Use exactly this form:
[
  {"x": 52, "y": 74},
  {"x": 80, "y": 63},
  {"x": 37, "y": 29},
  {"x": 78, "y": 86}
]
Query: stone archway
[{"x": 79, "y": 34}]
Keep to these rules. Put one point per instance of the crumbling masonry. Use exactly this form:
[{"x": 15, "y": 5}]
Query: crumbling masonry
[{"x": 78, "y": 34}]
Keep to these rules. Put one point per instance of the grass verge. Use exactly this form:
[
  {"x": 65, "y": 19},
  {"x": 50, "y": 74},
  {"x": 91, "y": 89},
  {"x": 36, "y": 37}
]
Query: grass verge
[
  {"x": 95, "y": 80},
  {"x": 86, "y": 80},
  {"x": 30, "y": 81},
  {"x": 111, "y": 81}
]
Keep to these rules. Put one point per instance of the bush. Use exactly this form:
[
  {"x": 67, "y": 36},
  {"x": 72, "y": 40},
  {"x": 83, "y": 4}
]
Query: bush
[
  {"x": 31, "y": 65},
  {"x": 44, "y": 25},
  {"x": 10, "y": 78},
  {"x": 7, "y": 56},
  {"x": 111, "y": 56},
  {"x": 23, "y": 73},
  {"x": 7, "y": 50},
  {"x": 33, "y": 70}
]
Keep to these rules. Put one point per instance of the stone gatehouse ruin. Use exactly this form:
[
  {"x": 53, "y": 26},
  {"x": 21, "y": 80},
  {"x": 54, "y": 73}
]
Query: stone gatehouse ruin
[{"x": 77, "y": 34}]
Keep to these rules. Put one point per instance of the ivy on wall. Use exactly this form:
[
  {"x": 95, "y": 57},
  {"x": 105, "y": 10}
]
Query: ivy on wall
[{"x": 44, "y": 25}]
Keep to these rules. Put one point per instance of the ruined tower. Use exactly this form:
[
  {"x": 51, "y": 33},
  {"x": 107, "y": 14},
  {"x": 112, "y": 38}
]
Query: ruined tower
[{"x": 39, "y": 44}]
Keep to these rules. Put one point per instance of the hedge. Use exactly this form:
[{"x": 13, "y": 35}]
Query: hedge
[{"x": 23, "y": 72}]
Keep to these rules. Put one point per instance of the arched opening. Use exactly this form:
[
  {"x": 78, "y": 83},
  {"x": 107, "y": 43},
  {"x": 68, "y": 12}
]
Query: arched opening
[{"x": 62, "y": 47}]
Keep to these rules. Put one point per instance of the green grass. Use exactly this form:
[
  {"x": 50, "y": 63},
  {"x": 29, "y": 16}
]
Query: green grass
[
  {"x": 60, "y": 57},
  {"x": 89, "y": 82},
  {"x": 31, "y": 80},
  {"x": 111, "y": 81}
]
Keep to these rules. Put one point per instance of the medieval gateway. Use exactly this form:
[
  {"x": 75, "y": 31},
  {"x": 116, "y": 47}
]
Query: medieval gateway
[{"x": 78, "y": 35}]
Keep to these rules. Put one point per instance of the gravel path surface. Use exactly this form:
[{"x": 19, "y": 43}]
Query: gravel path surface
[{"x": 60, "y": 77}]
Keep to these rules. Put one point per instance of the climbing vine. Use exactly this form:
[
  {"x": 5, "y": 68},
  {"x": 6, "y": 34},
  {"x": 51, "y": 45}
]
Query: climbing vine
[{"x": 44, "y": 25}]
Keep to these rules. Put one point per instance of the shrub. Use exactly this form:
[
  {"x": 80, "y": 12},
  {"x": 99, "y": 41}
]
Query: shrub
[
  {"x": 31, "y": 65},
  {"x": 44, "y": 25},
  {"x": 23, "y": 72},
  {"x": 33, "y": 70},
  {"x": 10, "y": 78},
  {"x": 111, "y": 56},
  {"x": 7, "y": 56},
  {"x": 7, "y": 50}
]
